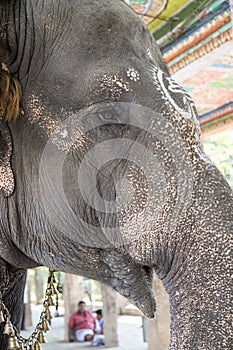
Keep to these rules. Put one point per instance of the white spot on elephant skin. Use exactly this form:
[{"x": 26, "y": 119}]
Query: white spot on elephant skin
[
  {"x": 149, "y": 54},
  {"x": 133, "y": 74},
  {"x": 113, "y": 85}
]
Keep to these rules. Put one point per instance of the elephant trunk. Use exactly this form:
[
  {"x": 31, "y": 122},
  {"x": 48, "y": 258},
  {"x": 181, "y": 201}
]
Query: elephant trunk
[{"x": 199, "y": 279}]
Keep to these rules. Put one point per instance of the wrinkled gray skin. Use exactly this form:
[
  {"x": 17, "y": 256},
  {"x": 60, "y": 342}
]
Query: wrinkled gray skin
[{"x": 68, "y": 56}]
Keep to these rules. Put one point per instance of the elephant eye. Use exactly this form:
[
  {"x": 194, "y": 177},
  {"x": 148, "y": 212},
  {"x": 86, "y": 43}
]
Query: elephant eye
[
  {"x": 105, "y": 115},
  {"x": 108, "y": 112}
]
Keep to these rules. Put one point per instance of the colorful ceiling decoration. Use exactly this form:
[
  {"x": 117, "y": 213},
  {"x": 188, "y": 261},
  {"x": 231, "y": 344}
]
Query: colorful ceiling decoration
[
  {"x": 186, "y": 18},
  {"x": 196, "y": 41},
  {"x": 148, "y": 9},
  {"x": 186, "y": 29},
  {"x": 211, "y": 33}
]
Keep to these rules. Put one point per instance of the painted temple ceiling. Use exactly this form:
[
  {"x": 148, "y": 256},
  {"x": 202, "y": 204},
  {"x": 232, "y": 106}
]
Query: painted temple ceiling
[
  {"x": 196, "y": 41},
  {"x": 209, "y": 80}
]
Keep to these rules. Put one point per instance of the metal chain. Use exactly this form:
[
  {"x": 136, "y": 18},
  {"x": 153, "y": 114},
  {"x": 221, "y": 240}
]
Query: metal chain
[{"x": 16, "y": 341}]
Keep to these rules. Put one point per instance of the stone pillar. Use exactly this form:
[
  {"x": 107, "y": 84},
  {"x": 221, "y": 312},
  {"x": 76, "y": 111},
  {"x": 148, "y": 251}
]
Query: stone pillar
[
  {"x": 39, "y": 284},
  {"x": 27, "y": 314},
  {"x": 73, "y": 292},
  {"x": 110, "y": 314},
  {"x": 158, "y": 329},
  {"x": 27, "y": 299},
  {"x": 121, "y": 302}
]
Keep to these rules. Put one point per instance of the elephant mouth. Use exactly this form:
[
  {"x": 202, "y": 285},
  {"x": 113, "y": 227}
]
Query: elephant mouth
[{"x": 117, "y": 270}]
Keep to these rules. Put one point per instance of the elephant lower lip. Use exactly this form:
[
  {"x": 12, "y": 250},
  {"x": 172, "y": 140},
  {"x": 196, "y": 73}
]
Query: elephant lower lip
[
  {"x": 143, "y": 299},
  {"x": 148, "y": 309},
  {"x": 133, "y": 281}
]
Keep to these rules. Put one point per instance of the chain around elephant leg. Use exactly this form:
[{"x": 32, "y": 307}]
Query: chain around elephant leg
[{"x": 12, "y": 283}]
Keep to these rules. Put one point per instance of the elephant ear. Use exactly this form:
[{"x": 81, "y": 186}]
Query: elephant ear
[{"x": 6, "y": 173}]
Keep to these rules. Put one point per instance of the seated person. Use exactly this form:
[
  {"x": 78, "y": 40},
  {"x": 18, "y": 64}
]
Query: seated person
[
  {"x": 99, "y": 326},
  {"x": 99, "y": 329},
  {"x": 83, "y": 323}
]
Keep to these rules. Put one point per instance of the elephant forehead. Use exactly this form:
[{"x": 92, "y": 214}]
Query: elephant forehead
[{"x": 91, "y": 31}]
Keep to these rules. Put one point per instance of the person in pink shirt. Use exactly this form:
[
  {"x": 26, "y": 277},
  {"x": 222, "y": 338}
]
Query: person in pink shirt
[{"x": 83, "y": 323}]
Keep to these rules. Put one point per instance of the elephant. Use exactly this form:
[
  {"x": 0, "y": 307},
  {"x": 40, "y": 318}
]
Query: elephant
[{"x": 102, "y": 169}]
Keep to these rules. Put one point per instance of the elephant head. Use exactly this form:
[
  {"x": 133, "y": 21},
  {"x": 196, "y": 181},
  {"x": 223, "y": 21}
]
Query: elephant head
[{"x": 103, "y": 173}]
